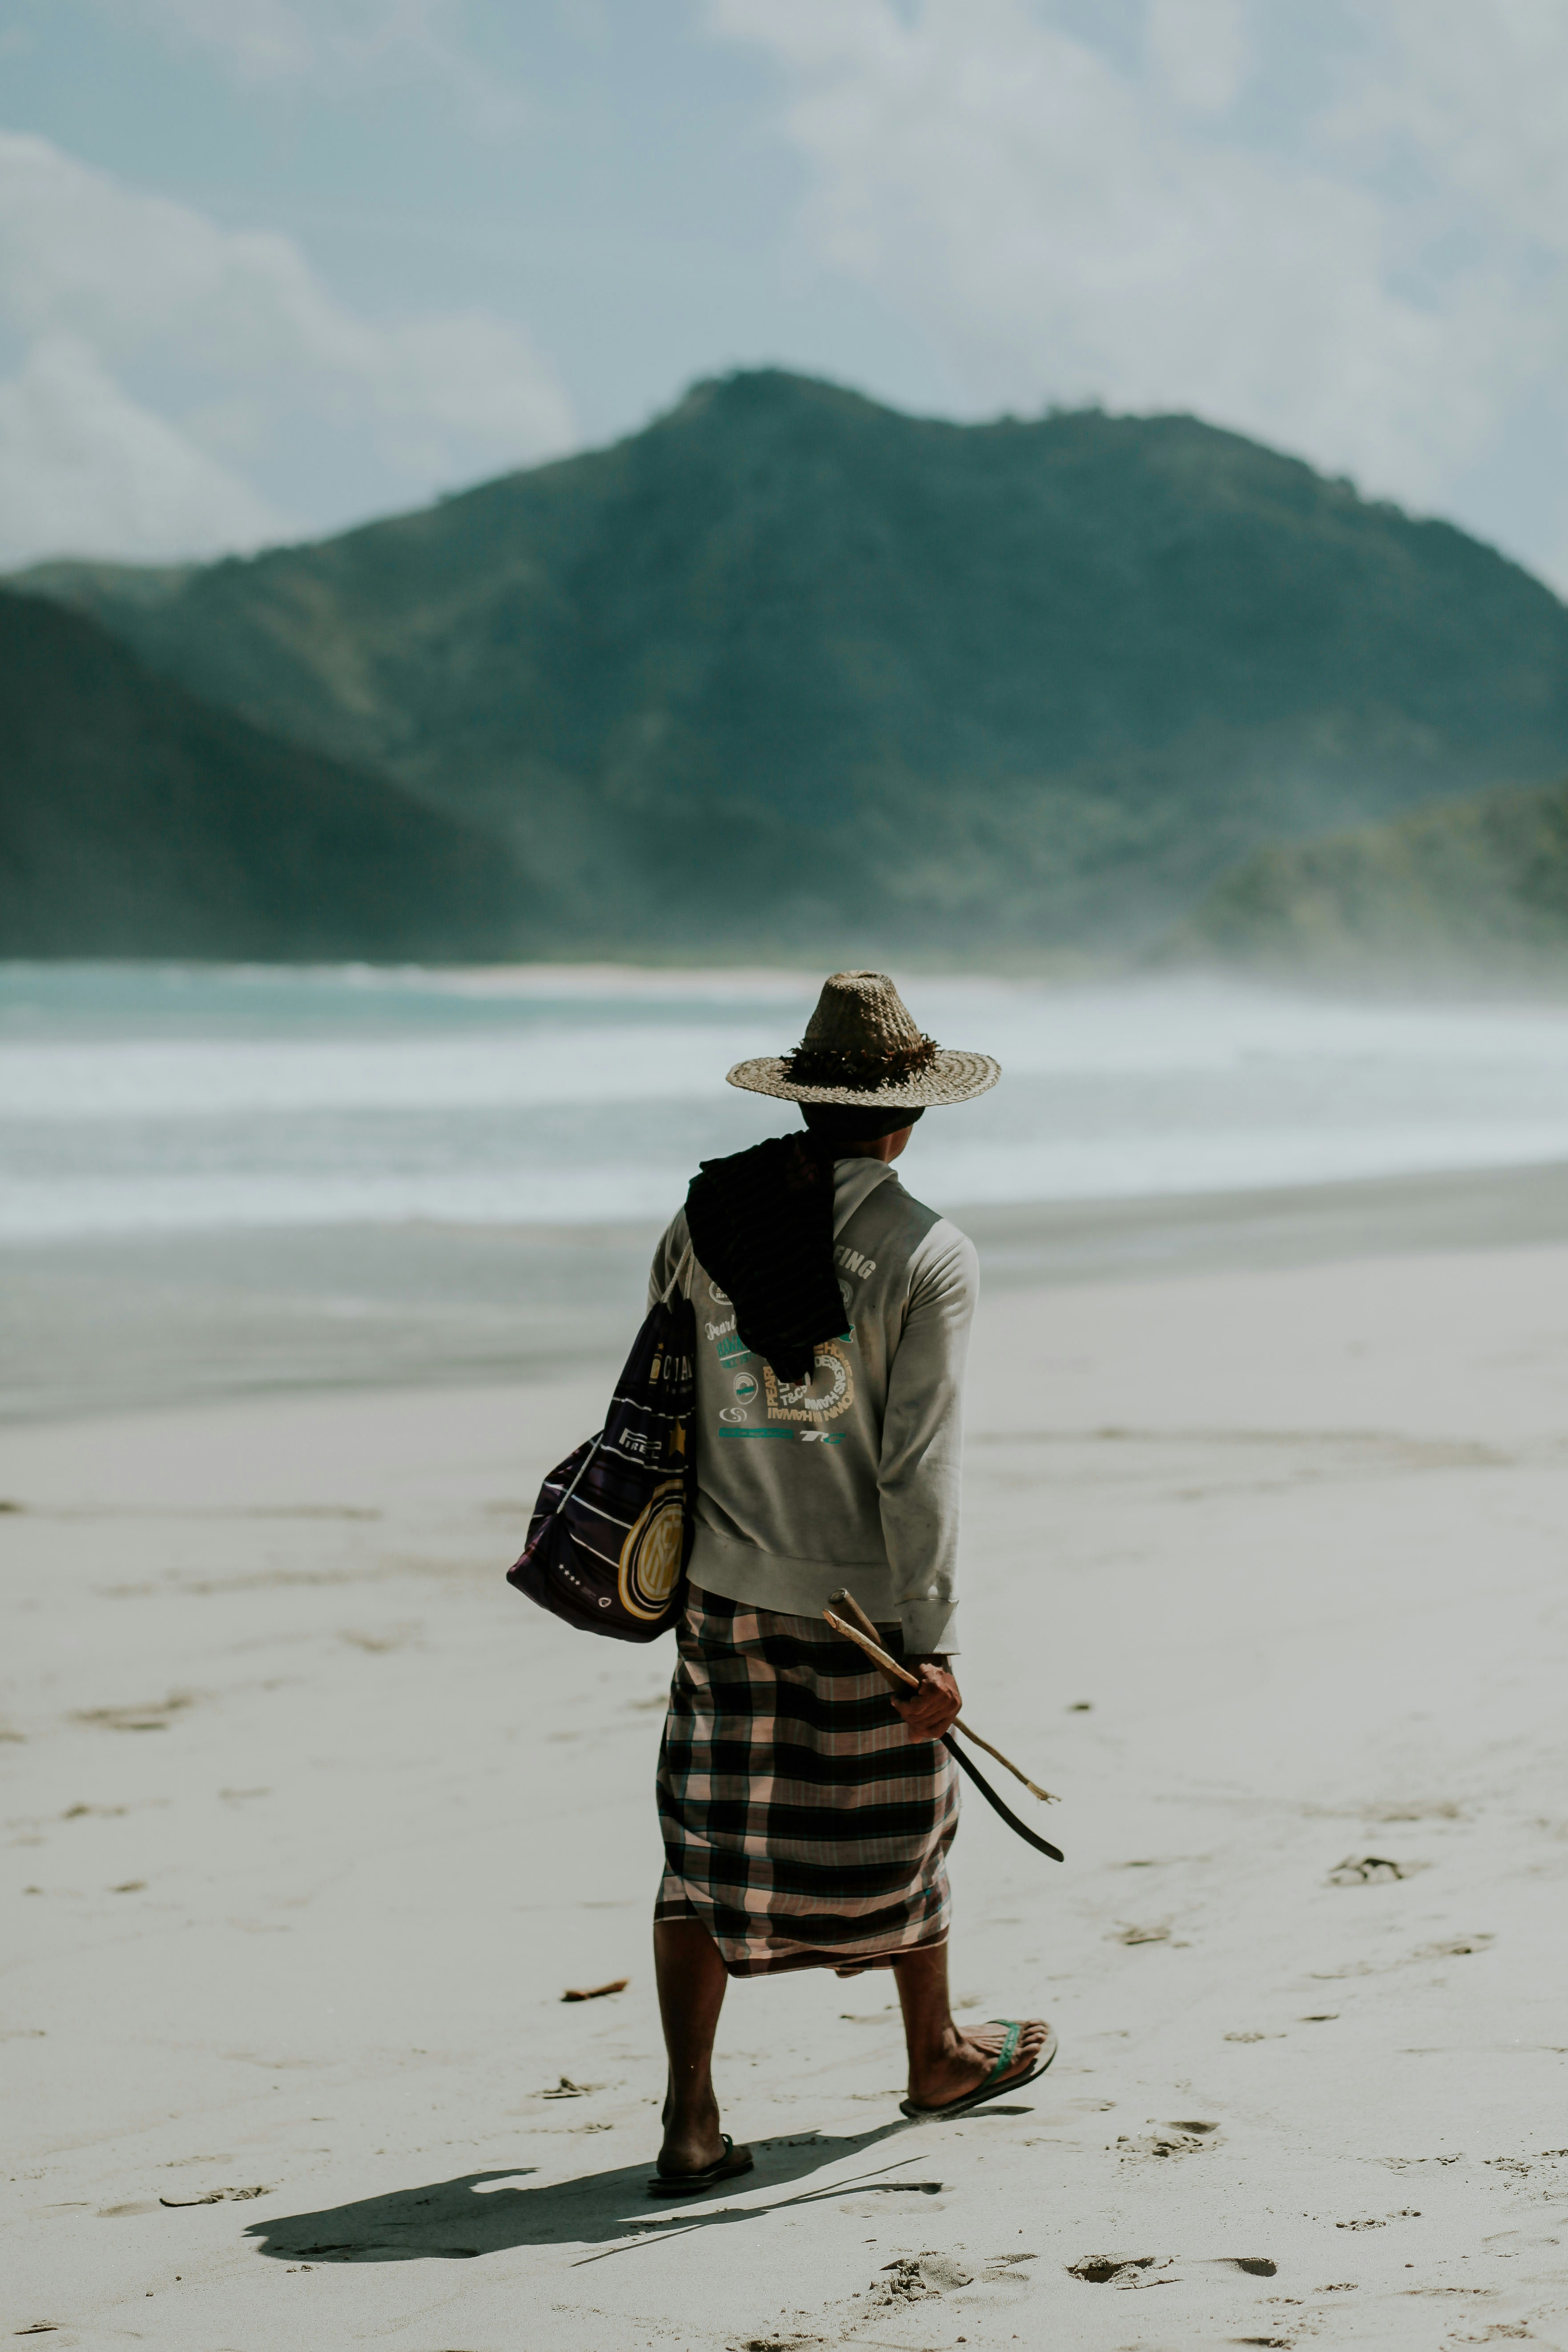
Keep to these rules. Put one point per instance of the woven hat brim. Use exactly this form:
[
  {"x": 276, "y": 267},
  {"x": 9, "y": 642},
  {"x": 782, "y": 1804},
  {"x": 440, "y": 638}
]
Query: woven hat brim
[{"x": 952, "y": 1078}]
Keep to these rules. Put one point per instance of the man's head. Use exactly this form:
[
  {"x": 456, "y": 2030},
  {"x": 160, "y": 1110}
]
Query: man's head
[{"x": 856, "y": 1134}]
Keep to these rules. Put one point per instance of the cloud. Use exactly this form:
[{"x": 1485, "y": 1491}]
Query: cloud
[
  {"x": 1201, "y": 48},
  {"x": 167, "y": 361},
  {"x": 1340, "y": 230},
  {"x": 1476, "y": 89},
  {"x": 342, "y": 41},
  {"x": 82, "y": 468}
]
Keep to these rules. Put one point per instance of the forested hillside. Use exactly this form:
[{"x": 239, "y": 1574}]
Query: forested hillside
[
  {"x": 138, "y": 821},
  {"x": 790, "y": 669},
  {"x": 1471, "y": 887}
]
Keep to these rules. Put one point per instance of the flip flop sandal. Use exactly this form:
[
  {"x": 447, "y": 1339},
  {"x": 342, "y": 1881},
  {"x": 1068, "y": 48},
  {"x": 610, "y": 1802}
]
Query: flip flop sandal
[
  {"x": 995, "y": 2084},
  {"x": 733, "y": 2161}
]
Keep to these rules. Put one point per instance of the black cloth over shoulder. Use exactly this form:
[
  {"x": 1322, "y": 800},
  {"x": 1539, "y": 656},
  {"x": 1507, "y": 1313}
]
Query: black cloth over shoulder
[{"x": 762, "y": 1225}]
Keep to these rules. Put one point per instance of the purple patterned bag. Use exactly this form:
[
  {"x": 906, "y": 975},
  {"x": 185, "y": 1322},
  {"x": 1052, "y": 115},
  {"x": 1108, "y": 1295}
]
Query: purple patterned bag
[{"x": 611, "y": 1532}]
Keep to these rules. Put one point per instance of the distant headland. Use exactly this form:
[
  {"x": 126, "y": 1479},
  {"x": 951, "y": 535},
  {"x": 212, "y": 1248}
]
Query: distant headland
[{"x": 787, "y": 673}]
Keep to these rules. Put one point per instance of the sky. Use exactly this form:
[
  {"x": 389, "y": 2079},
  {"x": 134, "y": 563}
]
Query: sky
[{"x": 270, "y": 267}]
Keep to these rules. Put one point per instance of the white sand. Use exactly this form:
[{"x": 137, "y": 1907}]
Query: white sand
[{"x": 320, "y": 1819}]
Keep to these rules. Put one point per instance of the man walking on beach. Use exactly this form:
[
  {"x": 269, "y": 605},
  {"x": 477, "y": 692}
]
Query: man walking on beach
[{"x": 804, "y": 1824}]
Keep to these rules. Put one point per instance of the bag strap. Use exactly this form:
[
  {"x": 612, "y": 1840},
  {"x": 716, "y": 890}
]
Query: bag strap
[
  {"x": 581, "y": 1466},
  {"x": 688, "y": 1257}
]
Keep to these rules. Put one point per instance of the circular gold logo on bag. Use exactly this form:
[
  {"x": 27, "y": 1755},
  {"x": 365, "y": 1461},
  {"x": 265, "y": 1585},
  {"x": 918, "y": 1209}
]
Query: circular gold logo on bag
[{"x": 651, "y": 1556}]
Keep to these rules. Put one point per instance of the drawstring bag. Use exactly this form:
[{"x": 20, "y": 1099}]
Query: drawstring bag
[{"x": 611, "y": 1532}]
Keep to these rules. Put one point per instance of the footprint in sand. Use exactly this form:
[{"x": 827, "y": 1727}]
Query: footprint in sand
[
  {"x": 1117, "y": 2269},
  {"x": 1188, "y": 2140},
  {"x": 912, "y": 2278}
]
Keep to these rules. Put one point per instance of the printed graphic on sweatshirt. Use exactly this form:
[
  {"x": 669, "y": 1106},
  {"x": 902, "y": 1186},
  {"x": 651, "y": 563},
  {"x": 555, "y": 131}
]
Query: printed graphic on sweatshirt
[{"x": 829, "y": 1392}]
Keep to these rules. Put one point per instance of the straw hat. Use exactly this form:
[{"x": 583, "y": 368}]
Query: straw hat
[{"x": 861, "y": 1048}]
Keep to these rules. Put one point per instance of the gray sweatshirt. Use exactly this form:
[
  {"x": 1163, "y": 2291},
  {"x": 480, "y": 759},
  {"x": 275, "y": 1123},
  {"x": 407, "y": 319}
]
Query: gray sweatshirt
[{"x": 852, "y": 1478}]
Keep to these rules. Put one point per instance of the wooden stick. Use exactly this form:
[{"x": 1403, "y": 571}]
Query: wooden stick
[
  {"x": 889, "y": 1666},
  {"x": 1044, "y": 1795},
  {"x": 844, "y": 1599},
  {"x": 895, "y": 1673}
]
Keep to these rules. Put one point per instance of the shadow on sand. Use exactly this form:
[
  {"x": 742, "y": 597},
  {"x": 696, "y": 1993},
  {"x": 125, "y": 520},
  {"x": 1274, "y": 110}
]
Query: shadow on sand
[{"x": 455, "y": 2221}]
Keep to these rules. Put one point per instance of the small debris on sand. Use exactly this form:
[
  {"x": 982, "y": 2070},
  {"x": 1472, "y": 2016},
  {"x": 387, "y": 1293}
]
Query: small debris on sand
[
  {"x": 1367, "y": 1870},
  {"x": 598, "y": 1992},
  {"x": 219, "y": 2197},
  {"x": 155, "y": 1715}
]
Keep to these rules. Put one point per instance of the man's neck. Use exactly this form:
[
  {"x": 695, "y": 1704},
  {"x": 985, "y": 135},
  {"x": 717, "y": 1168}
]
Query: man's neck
[{"x": 885, "y": 1147}]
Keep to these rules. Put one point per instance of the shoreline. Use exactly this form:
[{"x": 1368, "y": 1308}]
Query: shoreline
[{"x": 99, "y": 1326}]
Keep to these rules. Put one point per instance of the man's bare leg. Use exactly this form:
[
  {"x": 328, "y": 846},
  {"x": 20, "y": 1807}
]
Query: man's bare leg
[
  {"x": 946, "y": 2061},
  {"x": 691, "y": 1980}
]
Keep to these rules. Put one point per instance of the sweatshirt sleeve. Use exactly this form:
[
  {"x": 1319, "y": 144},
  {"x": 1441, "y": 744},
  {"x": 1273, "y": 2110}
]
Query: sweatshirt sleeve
[{"x": 922, "y": 1435}]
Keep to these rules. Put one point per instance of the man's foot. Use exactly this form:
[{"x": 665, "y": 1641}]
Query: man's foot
[
  {"x": 962, "y": 2066},
  {"x": 691, "y": 2143},
  {"x": 733, "y": 2162}
]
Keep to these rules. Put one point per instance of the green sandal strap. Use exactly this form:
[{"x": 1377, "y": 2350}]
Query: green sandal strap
[{"x": 1008, "y": 2051}]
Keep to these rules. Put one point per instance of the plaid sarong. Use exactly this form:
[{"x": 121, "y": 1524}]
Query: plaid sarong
[{"x": 802, "y": 1824}]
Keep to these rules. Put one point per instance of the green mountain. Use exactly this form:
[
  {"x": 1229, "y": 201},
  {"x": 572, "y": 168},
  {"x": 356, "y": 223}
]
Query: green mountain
[
  {"x": 790, "y": 669},
  {"x": 136, "y": 820},
  {"x": 1471, "y": 886}
]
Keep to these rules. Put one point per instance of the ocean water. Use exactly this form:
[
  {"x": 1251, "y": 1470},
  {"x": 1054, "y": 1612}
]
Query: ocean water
[{"x": 140, "y": 1098}]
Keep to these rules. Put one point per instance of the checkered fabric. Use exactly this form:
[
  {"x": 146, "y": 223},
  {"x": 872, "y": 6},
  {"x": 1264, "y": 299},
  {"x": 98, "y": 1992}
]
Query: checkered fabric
[{"x": 802, "y": 1825}]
